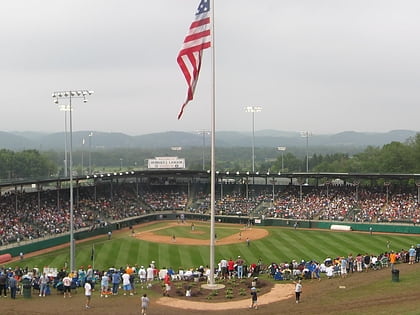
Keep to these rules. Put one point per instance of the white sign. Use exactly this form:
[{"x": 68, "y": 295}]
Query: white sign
[{"x": 166, "y": 162}]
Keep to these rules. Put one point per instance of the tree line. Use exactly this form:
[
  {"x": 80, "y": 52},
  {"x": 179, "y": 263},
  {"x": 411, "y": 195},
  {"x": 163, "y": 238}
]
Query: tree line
[{"x": 395, "y": 157}]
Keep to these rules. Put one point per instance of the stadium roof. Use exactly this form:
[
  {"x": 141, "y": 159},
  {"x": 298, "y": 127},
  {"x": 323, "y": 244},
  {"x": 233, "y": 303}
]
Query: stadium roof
[{"x": 354, "y": 177}]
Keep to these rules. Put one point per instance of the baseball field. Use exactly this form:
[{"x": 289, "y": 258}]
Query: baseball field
[{"x": 185, "y": 245}]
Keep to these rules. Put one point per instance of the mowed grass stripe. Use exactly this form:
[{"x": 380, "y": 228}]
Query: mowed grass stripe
[
  {"x": 337, "y": 243},
  {"x": 144, "y": 255},
  {"x": 367, "y": 244},
  {"x": 362, "y": 243},
  {"x": 153, "y": 251},
  {"x": 282, "y": 244},
  {"x": 347, "y": 243},
  {"x": 139, "y": 253},
  {"x": 185, "y": 257},
  {"x": 99, "y": 255},
  {"x": 123, "y": 252},
  {"x": 398, "y": 242},
  {"x": 83, "y": 254},
  {"x": 55, "y": 260},
  {"x": 301, "y": 245},
  {"x": 112, "y": 257},
  {"x": 293, "y": 245},
  {"x": 199, "y": 255},
  {"x": 269, "y": 246},
  {"x": 305, "y": 246},
  {"x": 319, "y": 246},
  {"x": 258, "y": 250},
  {"x": 276, "y": 249},
  {"x": 224, "y": 251},
  {"x": 133, "y": 251},
  {"x": 175, "y": 255},
  {"x": 163, "y": 255}
]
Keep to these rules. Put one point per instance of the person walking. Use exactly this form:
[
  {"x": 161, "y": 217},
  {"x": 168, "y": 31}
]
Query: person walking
[
  {"x": 254, "y": 298},
  {"x": 88, "y": 293},
  {"x": 144, "y": 304},
  {"x": 298, "y": 290}
]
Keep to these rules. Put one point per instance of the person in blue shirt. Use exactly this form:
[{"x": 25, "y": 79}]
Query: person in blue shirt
[
  {"x": 12, "y": 286},
  {"x": 411, "y": 255},
  {"x": 116, "y": 279}
]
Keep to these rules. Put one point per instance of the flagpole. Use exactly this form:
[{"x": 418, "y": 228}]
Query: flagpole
[
  {"x": 213, "y": 141},
  {"x": 93, "y": 256}
]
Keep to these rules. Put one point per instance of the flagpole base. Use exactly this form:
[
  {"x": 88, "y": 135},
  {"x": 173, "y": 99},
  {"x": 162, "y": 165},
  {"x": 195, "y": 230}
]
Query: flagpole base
[{"x": 216, "y": 286}]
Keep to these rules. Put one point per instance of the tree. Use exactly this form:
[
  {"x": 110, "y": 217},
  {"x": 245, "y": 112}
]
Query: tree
[{"x": 395, "y": 157}]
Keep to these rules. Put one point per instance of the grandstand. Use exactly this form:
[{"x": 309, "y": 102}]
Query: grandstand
[{"x": 33, "y": 210}]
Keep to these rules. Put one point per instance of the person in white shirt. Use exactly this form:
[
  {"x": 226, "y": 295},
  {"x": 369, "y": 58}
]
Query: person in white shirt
[
  {"x": 144, "y": 304},
  {"x": 142, "y": 275},
  {"x": 126, "y": 283},
  {"x": 298, "y": 290},
  {"x": 67, "y": 286},
  {"x": 88, "y": 293},
  {"x": 150, "y": 273},
  {"x": 104, "y": 285},
  {"x": 224, "y": 268}
]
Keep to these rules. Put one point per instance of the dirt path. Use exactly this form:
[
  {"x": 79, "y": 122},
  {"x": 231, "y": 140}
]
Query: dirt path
[{"x": 278, "y": 293}]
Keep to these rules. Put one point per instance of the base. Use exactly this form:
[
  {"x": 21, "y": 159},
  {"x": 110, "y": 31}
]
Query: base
[{"x": 216, "y": 286}]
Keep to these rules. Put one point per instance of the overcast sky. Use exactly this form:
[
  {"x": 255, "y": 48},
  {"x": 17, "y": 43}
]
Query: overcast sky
[{"x": 323, "y": 66}]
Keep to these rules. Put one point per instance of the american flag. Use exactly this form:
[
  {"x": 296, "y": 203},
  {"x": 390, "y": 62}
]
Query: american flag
[{"x": 197, "y": 39}]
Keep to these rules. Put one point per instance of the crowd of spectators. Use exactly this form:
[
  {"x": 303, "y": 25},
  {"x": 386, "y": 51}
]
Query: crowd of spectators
[
  {"x": 345, "y": 204},
  {"x": 32, "y": 215},
  {"x": 125, "y": 280}
]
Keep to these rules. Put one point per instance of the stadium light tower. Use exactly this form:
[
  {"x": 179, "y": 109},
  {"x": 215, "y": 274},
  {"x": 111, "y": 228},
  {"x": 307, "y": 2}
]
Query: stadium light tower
[
  {"x": 306, "y": 134},
  {"x": 253, "y": 110},
  {"x": 65, "y": 109},
  {"x": 56, "y": 97},
  {"x": 282, "y": 149},
  {"x": 90, "y": 152},
  {"x": 203, "y": 133}
]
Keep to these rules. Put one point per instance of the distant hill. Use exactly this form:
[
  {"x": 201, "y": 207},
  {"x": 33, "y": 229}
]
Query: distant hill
[{"x": 263, "y": 138}]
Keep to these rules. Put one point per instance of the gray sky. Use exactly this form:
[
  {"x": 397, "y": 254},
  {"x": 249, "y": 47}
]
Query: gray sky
[{"x": 324, "y": 66}]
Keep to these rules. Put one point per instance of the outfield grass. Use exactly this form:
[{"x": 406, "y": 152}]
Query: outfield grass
[{"x": 282, "y": 244}]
